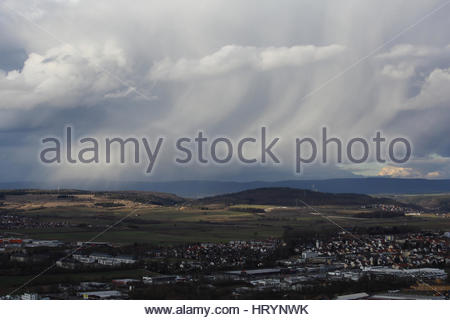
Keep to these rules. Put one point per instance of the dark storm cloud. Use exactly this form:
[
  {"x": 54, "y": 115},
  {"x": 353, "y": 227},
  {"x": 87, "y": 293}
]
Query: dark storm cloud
[{"x": 228, "y": 67}]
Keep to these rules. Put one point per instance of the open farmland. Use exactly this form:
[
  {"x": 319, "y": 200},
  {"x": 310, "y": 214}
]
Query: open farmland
[{"x": 80, "y": 216}]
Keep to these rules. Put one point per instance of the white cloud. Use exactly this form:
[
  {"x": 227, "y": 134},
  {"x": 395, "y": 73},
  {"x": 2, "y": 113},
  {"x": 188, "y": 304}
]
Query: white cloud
[
  {"x": 399, "y": 172},
  {"x": 433, "y": 175},
  {"x": 401, "y": 71},
  {"x": 63, "y": 76},
  {"x": 232, "y": 57},
  {"x": 408, "y": 172},
  {"x": 434, "y": 92}
]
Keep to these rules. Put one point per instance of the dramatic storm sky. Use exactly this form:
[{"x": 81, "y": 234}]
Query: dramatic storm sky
[{"x": 171, "y": 68}]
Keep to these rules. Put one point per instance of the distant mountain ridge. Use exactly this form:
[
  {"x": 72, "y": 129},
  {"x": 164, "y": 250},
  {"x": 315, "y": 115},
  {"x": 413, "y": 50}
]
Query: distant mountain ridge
[
  {"x": 291, "y": 197},
  {"x": 204, "y": 188}
]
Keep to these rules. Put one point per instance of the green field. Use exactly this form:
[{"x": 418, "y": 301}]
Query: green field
[
  {"x": 171, "y": 225},
  {"x": 441, "y": 200}
]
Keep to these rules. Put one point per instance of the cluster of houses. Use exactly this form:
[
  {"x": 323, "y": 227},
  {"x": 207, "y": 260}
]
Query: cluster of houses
[
  {"x": 396, "y": 251},
  {"x": 214, "y": 256},
  {"x": 390, "y": 208},
  {"x": 416, "y": 273},
  {"x": 299, "y": 278},
  {"x": 15, "y": 221},
  {"x": 103, "y": 259},
  {"x": 15, "y": 244},
  {"x": 255, "y": 265},
  {"x": 401, "y": 251}
]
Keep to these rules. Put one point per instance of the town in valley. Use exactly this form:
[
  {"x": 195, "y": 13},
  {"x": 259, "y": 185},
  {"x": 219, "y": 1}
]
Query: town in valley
[{"x": 255, "y": 244}]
